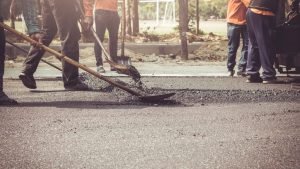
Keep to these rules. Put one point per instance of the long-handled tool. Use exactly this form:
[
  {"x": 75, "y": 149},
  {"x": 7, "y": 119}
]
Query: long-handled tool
[
  {"x": 123, "y": 58},
  {"x": 26, "y": 52},
  {"x": 121, "y": 68},
  {"x": 83, "y": 67}
]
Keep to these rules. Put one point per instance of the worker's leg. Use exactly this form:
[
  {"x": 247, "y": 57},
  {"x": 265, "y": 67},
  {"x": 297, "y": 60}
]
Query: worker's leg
[
  {"x": 101, "y": 25},
  {"x": 4, "y": 99},
  {"x": 35, "y": 54},
  {"x": 66, "y": 20},
  {"x": 253, "y": 61},
  {"x": 113, "y": 29},
  {"x": 2, "y": 55},
  {"x": 263, "y": 31},
  {"x": 233, "y": 33},
  {"x": 244, "y": 54}
]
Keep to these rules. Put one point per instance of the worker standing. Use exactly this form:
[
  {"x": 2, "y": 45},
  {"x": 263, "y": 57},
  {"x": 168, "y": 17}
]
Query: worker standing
[
  {"x": 106, "y": 17},
  {"x": 237, "y": 28},
  {"x": 261, "y": 22}
]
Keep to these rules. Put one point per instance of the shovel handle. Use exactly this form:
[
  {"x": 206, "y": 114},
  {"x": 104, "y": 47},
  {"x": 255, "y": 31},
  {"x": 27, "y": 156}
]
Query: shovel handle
[
  {"x": 69, "y": 60},
  {"x": 107, "y": 56},
  {"x": 25, "y": 51}
]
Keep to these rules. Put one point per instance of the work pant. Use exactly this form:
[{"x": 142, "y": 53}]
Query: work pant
[
  {"x": 261, "y": 52},
  {"x": 58, "y": 16},
  {"x": 235, "y": 32},
  {"x": 2, "y": 55},
  {"x": 109, "y": 20}
]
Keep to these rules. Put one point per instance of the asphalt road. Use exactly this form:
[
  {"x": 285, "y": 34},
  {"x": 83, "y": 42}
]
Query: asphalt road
[{"x": 209, "y": 123}]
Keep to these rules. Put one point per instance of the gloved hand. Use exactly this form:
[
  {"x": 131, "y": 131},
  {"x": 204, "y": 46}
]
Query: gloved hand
[
  {"x": 38, "y": 37},
  {"x": 87, "y": 23}
]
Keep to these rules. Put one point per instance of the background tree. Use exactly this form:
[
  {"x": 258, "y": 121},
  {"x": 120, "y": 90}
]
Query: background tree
[
  {"x": 128, "y": 17},
  {"x": 183, "y": 27},
  {"x": 135, "y": 17},
  {"x": 197, "y": 17}
]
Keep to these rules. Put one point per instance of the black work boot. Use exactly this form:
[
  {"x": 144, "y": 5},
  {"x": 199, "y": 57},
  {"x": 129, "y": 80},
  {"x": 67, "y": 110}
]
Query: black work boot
[
  {"x": 5, "y": 100},
  {"x": 231, "y": 73},
  {"x": 241, "y": 74},
  {"x": 78, "y": 86},
  {"x": 28, "y": 80},
  {"x": 254, "y": 79}
]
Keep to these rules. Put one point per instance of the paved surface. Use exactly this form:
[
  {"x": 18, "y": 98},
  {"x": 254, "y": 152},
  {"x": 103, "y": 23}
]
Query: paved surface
[{"x": 53, "y": 128}]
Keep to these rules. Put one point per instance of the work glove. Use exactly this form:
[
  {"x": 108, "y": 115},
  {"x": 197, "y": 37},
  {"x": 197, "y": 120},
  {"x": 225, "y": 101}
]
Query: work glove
[
  {"x": 38, "y": 37},
  {"x": 87, "y": 23}
]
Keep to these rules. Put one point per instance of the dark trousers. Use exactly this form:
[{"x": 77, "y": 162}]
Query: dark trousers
[
  {"x": 261, "y": 45},
  {"x": 235, "y": 32},
  {"x": 58, "y": 16},
  {"x": 2, "y": 55},
  {"x": 109, "y": 20}
]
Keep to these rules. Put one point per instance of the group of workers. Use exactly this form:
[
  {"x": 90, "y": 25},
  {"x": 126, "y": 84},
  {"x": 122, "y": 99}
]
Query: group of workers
[
  {"x": 62, "y": 16},
  {"x": 254, "y": 21}
]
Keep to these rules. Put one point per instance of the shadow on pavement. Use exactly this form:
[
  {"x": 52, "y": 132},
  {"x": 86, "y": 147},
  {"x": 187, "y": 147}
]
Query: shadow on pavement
[{"x": 101, "y": 104}]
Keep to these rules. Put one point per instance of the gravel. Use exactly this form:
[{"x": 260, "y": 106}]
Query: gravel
[{"x": 190, "y": 96}]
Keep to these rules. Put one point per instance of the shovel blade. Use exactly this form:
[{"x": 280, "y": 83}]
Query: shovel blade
[
  {"x": 124, "y": 60},
  {"x": 156, "y": 98}
]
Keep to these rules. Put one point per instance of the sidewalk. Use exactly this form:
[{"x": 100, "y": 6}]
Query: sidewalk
[{"x": 145, "y": 69}]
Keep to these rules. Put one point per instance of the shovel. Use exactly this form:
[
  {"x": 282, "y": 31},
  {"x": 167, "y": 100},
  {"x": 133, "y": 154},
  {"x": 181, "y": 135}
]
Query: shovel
[
  {"x": 146, "y": 98},
  {"x": 123, "y": 59},
  {"x": 121, "y": 68}
]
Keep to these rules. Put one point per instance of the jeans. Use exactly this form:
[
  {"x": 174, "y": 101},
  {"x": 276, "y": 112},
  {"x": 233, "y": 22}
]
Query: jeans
[
  {"x": 58, "y": 16},
  {"x": 235, "y": 32},
  {"x": 109, "y": 20},
  {"x": 261, "y": 45}
]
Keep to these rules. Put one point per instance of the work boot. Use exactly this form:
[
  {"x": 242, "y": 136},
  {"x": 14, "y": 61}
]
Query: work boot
[
  {"x": 231, "y": 73},
  {"x": 28, "y": 80},
  {"x": 241, "y": 73},
  {"x": 5, "y": 100},
  {"x": 79, "y": 86},
  {"x": 254, "y": 79},
  {"x": 100, "y": 69},
  {"x": 271, "y": 81}
]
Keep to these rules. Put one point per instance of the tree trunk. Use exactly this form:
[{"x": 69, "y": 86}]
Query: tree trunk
[
  {"x": 123, "y": 25},
  {"x": 135, "y": 17},
  {"x": 183, "y": 27},
  {"x": 197, "y": 17},
  {"x": 128, "y": 17}
]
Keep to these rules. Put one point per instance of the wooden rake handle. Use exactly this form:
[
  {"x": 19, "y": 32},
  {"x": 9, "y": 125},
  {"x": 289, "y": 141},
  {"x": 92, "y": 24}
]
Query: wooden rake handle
[
  {"x": 25, "y": 51},
  {"x": 69, "y": 60}
]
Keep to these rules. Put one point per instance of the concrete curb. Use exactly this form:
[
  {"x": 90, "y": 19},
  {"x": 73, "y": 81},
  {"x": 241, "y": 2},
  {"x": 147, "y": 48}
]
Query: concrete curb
[{"x": 143, "y": 48}]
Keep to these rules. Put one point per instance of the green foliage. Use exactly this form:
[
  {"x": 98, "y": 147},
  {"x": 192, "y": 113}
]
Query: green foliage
[
  {"x": 212, "y": 8},
  {"x": 208, "y": 8}
]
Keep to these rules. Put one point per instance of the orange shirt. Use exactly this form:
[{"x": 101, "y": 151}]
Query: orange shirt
[
  {"x": 110, "y": 5},
  {"x": 236, "y": 12}
]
